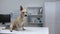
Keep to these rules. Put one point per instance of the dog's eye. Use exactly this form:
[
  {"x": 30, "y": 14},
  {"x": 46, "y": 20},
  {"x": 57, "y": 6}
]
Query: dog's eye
[{"x": 22, "y": 12}]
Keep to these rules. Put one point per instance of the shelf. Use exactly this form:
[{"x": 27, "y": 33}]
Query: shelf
[
  {"x": 35, "y": 16},
  {"x": 34, "y": 7}
]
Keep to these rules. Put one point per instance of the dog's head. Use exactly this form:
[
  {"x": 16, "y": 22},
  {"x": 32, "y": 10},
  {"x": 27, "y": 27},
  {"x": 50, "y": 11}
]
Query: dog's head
[{"x": 23, "y": 11}]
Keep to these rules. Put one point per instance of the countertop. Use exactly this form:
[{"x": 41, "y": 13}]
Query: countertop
[{"x": 29, "y": 30}]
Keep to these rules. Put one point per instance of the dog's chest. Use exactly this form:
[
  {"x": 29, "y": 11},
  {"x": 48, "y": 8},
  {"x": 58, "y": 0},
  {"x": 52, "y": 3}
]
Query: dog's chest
[{"x": 23, "y": 21}]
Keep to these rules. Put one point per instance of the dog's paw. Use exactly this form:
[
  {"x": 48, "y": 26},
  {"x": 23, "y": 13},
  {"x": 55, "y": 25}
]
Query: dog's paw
[
  {"x": 10, "y": 31},
  {"x": 23, "y": 29}
]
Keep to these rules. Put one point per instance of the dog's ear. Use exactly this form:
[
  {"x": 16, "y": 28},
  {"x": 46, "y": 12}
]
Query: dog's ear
[{"x": 21, "y": 8}]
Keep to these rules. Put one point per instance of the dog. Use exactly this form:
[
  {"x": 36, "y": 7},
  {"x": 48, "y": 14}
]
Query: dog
[{"x": 19, "y": 22}]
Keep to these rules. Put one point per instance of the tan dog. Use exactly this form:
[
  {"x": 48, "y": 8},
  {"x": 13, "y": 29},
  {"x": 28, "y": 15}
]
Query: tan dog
[{"x": 19, "y": 21}]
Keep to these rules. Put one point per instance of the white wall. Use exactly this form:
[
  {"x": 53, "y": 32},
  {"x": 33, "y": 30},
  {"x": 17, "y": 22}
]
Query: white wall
[
  {"x": 50, "y": 16},
  {"x": 14, "y": 4},
  {"x": 7, "y": 5},
  {"x": 50, "y": 0},
  {"x": 57, "y": 20}
]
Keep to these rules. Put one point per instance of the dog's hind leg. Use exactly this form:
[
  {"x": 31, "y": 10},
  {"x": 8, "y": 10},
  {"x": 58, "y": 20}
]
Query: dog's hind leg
[{"x": 16, "y": 28}]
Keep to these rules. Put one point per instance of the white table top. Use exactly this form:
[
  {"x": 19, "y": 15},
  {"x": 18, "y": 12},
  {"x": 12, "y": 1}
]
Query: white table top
[{"x": 29, "y": 30}]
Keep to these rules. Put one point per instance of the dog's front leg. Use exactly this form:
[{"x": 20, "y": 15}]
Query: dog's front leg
[
  {"x": 23, "y": 27},
  {"x": 11, "y": 28}
]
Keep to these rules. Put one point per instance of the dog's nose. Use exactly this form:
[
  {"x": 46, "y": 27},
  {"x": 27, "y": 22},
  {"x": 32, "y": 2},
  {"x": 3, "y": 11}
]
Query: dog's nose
[{"x": 25, "y": 15}]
